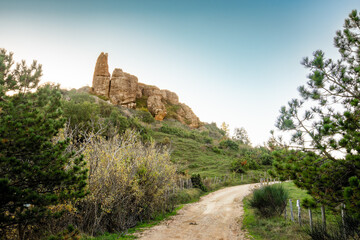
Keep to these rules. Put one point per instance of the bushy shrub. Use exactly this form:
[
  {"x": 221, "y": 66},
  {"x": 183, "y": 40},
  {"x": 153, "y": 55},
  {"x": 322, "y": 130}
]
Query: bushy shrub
[
  {"x": 207, "y": 139},
  {"x": 269, "y": 200},
  {"x": 128, "y": 182},
  {"x": 145, "y": 116},
  {"x": 238, "y": 166},
  {"x": 266, "y": 159},
  {"x": 229, "y": 144},
  {"x": 216, "y": 150},
  {"x": 197, "y": 182},
  {"x": 252, "y": 164}
]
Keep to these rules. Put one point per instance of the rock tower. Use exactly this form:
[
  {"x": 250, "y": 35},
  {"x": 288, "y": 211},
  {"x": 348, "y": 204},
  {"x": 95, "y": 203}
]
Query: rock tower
[{"x": 124, "y": 89}]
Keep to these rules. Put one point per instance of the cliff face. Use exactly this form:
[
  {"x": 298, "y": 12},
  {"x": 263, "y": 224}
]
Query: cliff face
[{"x": 124, "y": 89}]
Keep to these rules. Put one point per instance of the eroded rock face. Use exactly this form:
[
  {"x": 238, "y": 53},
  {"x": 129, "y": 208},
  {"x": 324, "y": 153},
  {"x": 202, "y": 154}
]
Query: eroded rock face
[
  {"x": 101, "y": 79},
  {"x": 170, "y": 97},
  {"x": 123, "y": 89},
  {"x": 149, "y": 90},
  {"x": 156, "y": 107},
  {"x": 185, "y": 115},
  {"x": 140, "y": 90}
]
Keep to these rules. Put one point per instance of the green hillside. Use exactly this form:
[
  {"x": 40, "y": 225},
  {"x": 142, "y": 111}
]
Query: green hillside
[{"x": 206, "y": 151}]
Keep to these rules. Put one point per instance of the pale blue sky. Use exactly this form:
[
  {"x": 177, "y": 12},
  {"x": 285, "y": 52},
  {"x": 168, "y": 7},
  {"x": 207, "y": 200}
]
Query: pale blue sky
[{"x": 232, "y": 61}]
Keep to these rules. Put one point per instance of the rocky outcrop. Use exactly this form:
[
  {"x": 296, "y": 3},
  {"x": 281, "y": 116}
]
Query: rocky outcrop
[
  {"x": 156, "y": 107},
  {"x": 148, "y": 90},
  {"x": 170, "y": 97},
  {"x": 124, "y": 89},
  {"x": 101, "y": 79},
  {"x": 185, "y": 115}
]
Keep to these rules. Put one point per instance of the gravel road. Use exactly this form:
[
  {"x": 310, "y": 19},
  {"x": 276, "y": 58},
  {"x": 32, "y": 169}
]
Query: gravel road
[{"x": 217, "y": 216}]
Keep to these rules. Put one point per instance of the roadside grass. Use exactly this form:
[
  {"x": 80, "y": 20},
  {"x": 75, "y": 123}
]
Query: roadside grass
[
  {"x": 129, "y": 233},
  {"x": 184, "y": 196},
  {"x": 277, "y": 227}
]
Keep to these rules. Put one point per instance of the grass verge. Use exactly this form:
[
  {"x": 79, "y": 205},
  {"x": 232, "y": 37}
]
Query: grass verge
[
  {"x": 277, "y": 227},
  {"x": 129, "y": 234},
  {"x": 184, "y": 196}
]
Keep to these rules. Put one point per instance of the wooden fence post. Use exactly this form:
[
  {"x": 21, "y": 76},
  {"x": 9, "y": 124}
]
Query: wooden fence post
[
  {"x": 299, "y": 211},
  {"x": 310, "y": 219},
  {"x": 343, "y": 219},
  {"x": 242, "y": 177},
  {"x": 323, "y": 217},
  {"x": 291, "y": 211}
]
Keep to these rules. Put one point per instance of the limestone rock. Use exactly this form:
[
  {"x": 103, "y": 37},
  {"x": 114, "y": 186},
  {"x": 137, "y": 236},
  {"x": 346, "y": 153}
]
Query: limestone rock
[
  {"x": 123, "y": 89},
  {"x": 139, "y": 93},
  {"x": 156, "y": 107},
  {"x": 149, "y": 90},
  {"x": 101, "y": 79},
  {"x": 170, "y": 97},
  {"x": 185, "y": 115}
]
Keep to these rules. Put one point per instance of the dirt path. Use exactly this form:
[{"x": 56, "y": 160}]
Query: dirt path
[{"x": 216, "y": 216}]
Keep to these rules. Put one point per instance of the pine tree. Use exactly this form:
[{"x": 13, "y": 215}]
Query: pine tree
[
  {"x": 331, "y": 124},
  {"x": 35, "y": 171}
]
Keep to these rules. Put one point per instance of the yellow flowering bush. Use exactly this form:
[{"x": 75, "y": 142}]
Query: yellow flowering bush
[{"x": 128, "y": 182}]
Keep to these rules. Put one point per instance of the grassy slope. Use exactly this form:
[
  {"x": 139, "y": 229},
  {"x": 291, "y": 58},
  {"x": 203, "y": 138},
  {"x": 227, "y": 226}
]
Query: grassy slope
[
  {"x": 191, "y": 156},
  {"x": 195, "y": 156}
]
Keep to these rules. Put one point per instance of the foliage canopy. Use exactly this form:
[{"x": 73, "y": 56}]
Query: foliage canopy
[
  {"x": 329, "y": 126},
  {"x": 35, "y": 172}
]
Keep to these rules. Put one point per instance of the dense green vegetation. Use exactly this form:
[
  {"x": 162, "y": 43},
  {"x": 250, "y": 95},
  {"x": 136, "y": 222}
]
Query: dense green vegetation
[
  {"x": 327, "y": 163},
  {"x": 36, "y": 172},
  {"x": 206, "y": 151},
  {"x": 322, "y": 156}
]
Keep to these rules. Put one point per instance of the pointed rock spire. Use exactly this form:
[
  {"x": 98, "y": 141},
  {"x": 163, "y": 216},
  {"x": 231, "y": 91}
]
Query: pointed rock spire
[{"x": 101, "y": 79}]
